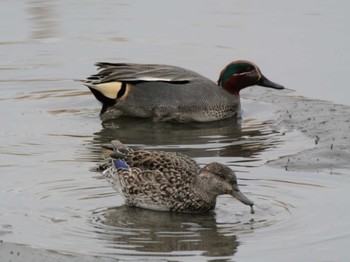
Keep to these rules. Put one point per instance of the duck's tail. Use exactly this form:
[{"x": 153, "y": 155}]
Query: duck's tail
[
  {"x": 102, "y": 166},
  {"x": 118, "y": 158}
]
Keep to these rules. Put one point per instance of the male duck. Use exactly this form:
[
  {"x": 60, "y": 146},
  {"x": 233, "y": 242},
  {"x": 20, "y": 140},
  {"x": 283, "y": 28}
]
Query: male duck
[
  {"x": 168, "y": 181},
  {"x": 170, "y": 93}
]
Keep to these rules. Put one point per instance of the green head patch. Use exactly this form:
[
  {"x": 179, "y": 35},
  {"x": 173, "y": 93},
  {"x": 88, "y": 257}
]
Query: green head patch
[{"x": 233, "y": 69}]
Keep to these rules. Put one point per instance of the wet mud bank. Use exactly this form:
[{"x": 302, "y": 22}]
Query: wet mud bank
[{"x": 326, "y": 123}]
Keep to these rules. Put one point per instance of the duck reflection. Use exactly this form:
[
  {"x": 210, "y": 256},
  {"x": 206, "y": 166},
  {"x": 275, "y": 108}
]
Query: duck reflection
[
  {"x": 152, "y": 231},
  {"x": 225, "y": 138},
  {"x": 43, "y": 16}
]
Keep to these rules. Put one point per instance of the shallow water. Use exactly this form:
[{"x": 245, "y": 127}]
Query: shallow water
[{"x": 291, "y": 154}]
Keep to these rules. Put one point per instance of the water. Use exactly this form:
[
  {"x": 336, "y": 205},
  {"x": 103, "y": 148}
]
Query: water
[{"x": 51, "y": 134}]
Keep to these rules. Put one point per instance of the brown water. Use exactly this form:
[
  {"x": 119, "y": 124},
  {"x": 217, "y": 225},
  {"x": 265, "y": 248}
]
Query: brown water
[{"x": 291, "y": 154}]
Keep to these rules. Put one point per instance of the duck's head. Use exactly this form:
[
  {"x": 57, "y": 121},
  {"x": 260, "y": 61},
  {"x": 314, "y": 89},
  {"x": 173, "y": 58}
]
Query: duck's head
[
  {"x": 241, "y": 74},
  {"x": 217, "y": 179}
]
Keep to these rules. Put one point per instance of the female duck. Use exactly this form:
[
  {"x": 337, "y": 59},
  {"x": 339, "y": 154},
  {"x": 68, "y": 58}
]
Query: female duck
[
  {"x": 168, "y": 181},
  {"x": 170, "y": 93}
]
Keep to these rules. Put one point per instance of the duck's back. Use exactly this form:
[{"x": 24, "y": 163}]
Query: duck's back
[{"x": 164, "y": 162}]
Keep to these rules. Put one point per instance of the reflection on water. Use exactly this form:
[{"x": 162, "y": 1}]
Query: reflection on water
[
  {"x": 43, "y": 15},
  {"x": 225, "y": 138},
  {"x": 164, "y": 232}
]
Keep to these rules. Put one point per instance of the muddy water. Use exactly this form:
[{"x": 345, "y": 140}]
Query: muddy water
[{"x": 291, "y": 154}]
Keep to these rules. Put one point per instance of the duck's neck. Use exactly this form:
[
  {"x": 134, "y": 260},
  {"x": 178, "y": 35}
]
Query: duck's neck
[
  {"x": 232, "y": 91},
  {"x": 204, "y": 191}
]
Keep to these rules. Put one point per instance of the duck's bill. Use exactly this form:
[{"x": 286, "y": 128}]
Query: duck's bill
[
  {"x": 241, "y": 197},
  {"x": 263, "y": 81}
]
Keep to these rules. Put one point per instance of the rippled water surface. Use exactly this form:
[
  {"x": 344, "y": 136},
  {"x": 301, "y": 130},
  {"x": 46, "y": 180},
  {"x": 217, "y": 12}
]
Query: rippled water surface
[{"x": 291, "y": 154}]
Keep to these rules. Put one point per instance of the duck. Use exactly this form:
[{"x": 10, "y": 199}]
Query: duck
[
  {"x": 171, "y": 93},
  {"x": 168, "y": 181}
]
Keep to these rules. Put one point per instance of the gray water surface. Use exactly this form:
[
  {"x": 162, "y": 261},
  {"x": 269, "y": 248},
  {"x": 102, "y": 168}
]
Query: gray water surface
[{"x": 291, "y": 153}]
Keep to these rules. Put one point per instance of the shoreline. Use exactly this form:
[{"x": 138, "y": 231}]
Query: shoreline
[{"x": 323, "y": 121}]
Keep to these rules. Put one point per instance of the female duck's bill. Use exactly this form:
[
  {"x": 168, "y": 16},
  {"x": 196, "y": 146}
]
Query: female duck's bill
[{"x": 242, "y": 198}]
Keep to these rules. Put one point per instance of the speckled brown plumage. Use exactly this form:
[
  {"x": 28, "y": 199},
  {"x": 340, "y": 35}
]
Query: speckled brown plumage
[{"x": 168, "y": 181}]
